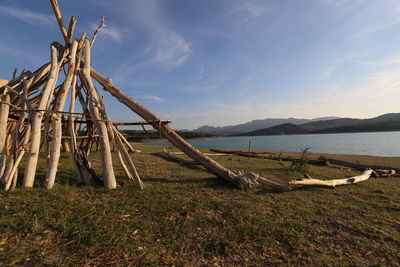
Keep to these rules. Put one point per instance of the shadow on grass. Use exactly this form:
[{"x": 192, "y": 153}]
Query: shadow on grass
[
  {"x": 190, "y": 167},
  {"x": 214, "y": 183}
]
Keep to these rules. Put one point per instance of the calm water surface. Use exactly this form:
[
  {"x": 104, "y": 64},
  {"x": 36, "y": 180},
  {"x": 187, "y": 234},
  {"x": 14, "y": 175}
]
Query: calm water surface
[{"x": 377, "y": 144}]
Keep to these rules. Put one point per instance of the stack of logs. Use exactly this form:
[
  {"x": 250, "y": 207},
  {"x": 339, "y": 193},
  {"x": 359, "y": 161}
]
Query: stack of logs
[{"x": 33, "y": 119}]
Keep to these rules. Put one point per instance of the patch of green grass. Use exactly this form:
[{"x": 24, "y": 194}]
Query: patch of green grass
[{"x": 186, "y": 216}]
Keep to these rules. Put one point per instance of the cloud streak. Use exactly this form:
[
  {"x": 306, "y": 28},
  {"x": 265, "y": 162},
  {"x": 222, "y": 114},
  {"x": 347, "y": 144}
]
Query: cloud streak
[
  {"x": 152, "y": 98},
  {"x": 168, "y": 48},
  {"x": 248, "y": 11},
  {"x": 26, "y": 15},
  {"x": 112, "y": 32}
]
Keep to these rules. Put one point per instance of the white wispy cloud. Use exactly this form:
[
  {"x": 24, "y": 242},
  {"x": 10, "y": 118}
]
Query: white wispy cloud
[
  {"x": 375, "y": 27},
  {"x": 153, "y": 98},
  {"x": 384, "y": 62},
  {"x": 113, "y": 32},
  {"x": 168, "y": 48},
  {"x": 26, "y": 15},
  {"x": 247, "y": 10}
]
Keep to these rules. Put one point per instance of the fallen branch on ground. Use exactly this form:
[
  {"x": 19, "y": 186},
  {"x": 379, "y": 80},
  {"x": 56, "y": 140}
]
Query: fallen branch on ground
[
  {"x": 170, "y": 155},
  {"x": 318, "y": 162},
  {"x": 332, "y": 183}
]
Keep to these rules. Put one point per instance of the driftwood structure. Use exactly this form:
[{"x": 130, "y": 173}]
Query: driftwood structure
[{"x": 34, "y": 119}]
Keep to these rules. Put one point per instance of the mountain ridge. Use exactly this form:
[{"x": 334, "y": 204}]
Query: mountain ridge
[
  {"x": 385, "y": 122},
  {"x": 255, "y": 125}
]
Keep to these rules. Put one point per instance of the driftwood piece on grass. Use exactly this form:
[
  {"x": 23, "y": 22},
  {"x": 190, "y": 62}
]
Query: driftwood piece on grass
[
  {"x": 383, "y": 173},
  {"x": 239, "y": 152},
  {"x": 170, "y": 155},
  {"x": 205, "y": 153},
  {"x": 360, "y": 167},
  {"x": 318, "y": 162},
  {"x": 332, "y": 183}
]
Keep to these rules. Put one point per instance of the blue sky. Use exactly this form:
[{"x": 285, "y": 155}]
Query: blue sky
[{"x": 221, "y": 62}]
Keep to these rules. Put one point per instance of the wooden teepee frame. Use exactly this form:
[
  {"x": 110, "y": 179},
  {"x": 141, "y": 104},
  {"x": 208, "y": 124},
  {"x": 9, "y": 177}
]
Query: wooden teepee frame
[{"x": 32, "y": 119}]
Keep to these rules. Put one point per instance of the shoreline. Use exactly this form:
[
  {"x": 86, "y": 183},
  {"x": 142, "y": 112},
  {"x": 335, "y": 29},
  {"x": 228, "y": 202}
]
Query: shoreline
[{"x": 353, "y": 158}]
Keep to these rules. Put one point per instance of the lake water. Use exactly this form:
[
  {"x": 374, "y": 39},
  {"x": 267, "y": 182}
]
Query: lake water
[{"x": 377, "y": 144}]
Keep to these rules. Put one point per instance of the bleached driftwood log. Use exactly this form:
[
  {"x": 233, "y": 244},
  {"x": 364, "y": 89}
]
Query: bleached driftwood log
[
  {"x": 20, "y": 140},
  {"x": 4, "y": 110},
  {"x": 56, "y": 120},
  {"x": 106, "y": 159},
  {"x": 332, "y": 183},
  {"x": 170, "y": 155},
  {"x": 30, "y": 169}
]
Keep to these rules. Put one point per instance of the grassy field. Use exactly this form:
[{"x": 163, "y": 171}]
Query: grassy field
[{"x": 187, "y": 217}]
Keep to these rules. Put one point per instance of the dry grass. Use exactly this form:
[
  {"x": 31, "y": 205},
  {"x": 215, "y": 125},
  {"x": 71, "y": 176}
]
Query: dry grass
[{"x": 186, "y": 216}]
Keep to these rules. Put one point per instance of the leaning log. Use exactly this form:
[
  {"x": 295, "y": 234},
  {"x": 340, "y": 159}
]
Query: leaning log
[
  {"x": 4, "y": 110},
  {"x": 332, "y": 183},
  {"x": 106, "y": 159},
  {"x": 56, "y": 120},
  {"x": 174, "y": 138}
]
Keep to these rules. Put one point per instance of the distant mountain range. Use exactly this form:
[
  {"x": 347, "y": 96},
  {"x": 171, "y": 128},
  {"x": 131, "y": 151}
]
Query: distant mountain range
[
  {"x": 386, "y": 122},
  {"x": 255, "y": 125}
]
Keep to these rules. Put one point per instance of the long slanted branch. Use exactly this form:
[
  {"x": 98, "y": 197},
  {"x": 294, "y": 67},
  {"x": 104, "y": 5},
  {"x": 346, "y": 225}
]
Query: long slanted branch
[
  {"x": 178, "y": 141},
  {"x": 96, "y": 32}
]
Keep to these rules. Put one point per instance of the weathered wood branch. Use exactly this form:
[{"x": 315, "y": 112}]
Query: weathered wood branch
[
  {"x": 107, "y": 166},
  {"x": 171, "y": 156},
  {"x": 102, "y": 24},
  {"x": 30, "y": 169},
  {"x": 60, "y": 21},
  {"x": 4, "y": 110},
  {"x": 332, "y": 183},
  {"x": 56, "y": 119}
]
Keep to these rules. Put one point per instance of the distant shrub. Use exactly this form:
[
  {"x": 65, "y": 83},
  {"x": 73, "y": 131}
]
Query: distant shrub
[{"x": 301, "y": 164}]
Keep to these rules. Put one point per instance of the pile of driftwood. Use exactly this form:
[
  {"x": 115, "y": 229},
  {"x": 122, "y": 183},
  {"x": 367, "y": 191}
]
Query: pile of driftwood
[
  {"x": 33, "y": 116},
  {"x": 368, "y": 170},
  {"x": 34, "y": 119}
]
